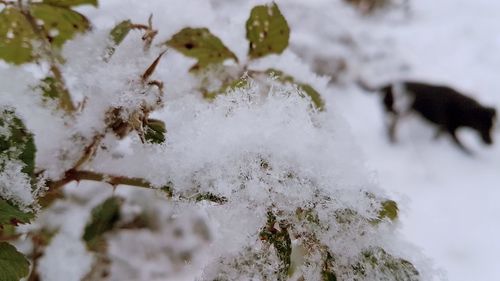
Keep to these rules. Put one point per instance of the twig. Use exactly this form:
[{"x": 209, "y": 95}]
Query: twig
[
  {"x": 74, "y": 175},
  {"x": 89, "y": 152},
  {"x": 149, "y": 71}
]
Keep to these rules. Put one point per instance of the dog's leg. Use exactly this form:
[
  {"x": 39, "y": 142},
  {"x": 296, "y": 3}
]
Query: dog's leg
[
  {"x": 458, "y": 142},
  {"x": 439, "y": 133},
  {"x": 391, "y": 127},
  {"x": 392, "y": 113}
]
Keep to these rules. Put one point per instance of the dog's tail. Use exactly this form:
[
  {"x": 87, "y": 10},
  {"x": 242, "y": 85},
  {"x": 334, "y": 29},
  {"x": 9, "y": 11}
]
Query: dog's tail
[
  {"x": 385, "y": 91},
  {"x": 365, "y": 86}
]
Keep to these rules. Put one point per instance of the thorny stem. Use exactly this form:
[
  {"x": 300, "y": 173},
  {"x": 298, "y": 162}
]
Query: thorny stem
[
  {"x": 74, "y": 175},
  {"x": 149, "y": 32},
  {"x": 114, "y": 180},
  {"x": 65, "y": 101},
  {"x": 139, "y": 26},
  {"x": 35, "y": 256}
]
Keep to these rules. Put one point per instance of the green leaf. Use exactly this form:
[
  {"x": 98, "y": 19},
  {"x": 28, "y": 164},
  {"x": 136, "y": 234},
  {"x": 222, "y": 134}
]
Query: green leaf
[
  {"x": 103, "y": 219},
  {"x": 239, "y": 83},
  {"x": 13, "y": 265},
  {"x": 306, "y": 88},
  {"x": 202, "y": 45},
  {"x": 154, "y": 131},
  {"x": 389, "y": 209},
  {"x": 267, "y": 31},
  {"x": 70, "y": 3},
  {"x": 60, "y": 23},
  {"x": 12, "y": 215},
  {"x": 120, "y": 31},
  {"x": 8, "y": 231},
  {"x": 117, "y": 34},
  {"x": 16, "y": 36},
  {"x": 49, "y": 88}
]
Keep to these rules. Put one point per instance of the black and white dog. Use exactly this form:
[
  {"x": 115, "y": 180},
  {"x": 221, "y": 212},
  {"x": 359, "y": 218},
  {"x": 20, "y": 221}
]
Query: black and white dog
[{"x": 441, "y": 105}]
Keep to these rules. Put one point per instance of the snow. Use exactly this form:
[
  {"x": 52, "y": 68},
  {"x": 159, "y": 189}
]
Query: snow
[
  {"x": 65, "y": 259},
  {"x": 15, "y": 185},
  {"x": 448, "y": 200}
]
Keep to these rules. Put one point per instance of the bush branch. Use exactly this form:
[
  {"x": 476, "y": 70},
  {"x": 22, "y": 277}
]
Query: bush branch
[{"x": 74, "y": 175}]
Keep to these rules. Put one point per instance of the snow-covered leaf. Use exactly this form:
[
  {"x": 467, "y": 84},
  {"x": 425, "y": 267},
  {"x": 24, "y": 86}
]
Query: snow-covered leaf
[
  {"x": 267, "y": 31},
  {"x": 327, "y": 273},
  {"x": 13, "y": 264},
  {"x": 306, "y": 88},
  {"x": 17, "y": 167},
  {"x": 201, "y": 44},
  {"x": 49, "y": 89},
  {"x": 277, "y": 234},
  {"x": 154, "y": 131},
  {"x": 376, "y": 260},
  {"x": 60, "y": 23},
  {"x": 239, "y": 83},
  {"x": 16, "y": 36},
  {"x": 16, "y": 142}
]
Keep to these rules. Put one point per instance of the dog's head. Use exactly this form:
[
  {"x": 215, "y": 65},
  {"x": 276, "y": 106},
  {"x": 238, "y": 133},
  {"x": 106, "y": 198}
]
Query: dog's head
[{"x": 488, "y": 116}]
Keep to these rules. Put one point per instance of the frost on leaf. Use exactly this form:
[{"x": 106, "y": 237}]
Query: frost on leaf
[
  {"x": 267, "y": 31},
  {"x": 252, "y": 263},
  {"x": 202, "y": 45},
  {"x": 306, "y": 88},
  {"x": 375, "y": 261},
  {"x": 16, "y": 37},
  {"x": 61, "y": 23},
  {"x": 239, "y": 83},
  {"x": 17, "y": 167},
  {"x": 103, "y": 219},
  {"x": 13, "y": 264}
]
